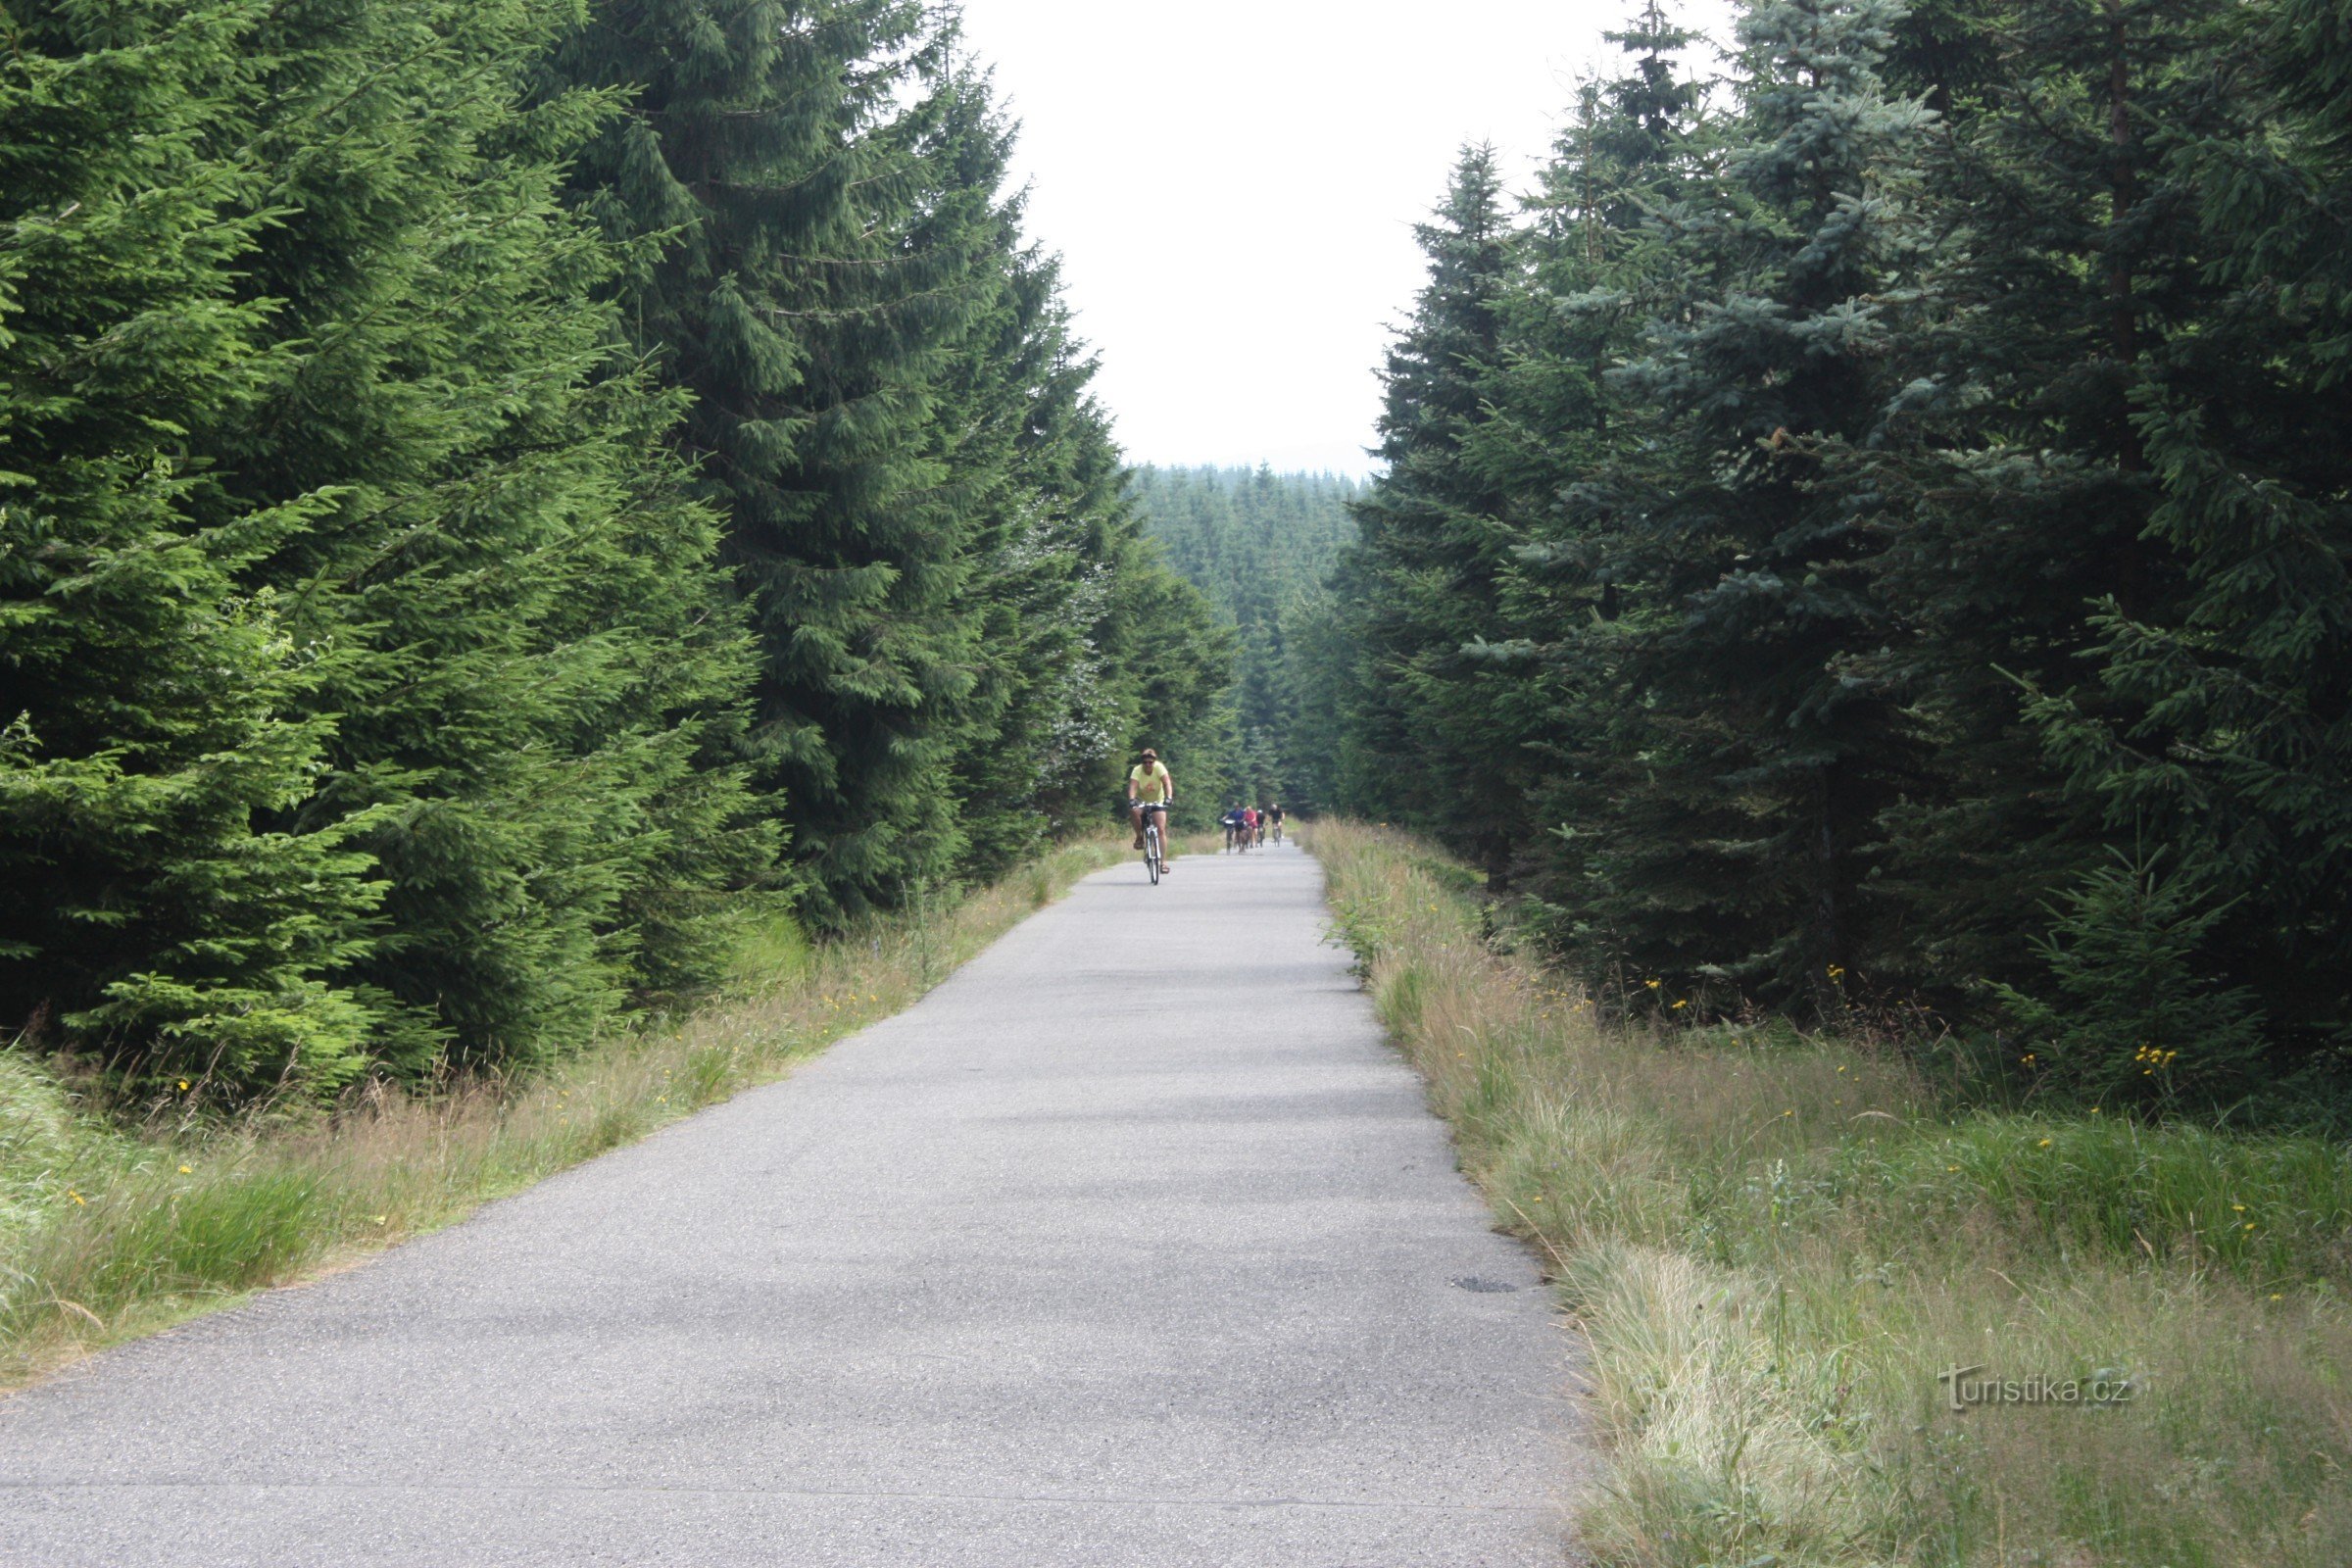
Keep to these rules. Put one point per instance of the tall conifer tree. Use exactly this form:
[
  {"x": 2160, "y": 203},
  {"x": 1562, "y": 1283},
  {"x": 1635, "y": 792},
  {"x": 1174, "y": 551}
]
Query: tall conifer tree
[
  {"x": 527, "y": 655},
  {"x": 1565, "y": 445},
  {"x": 817, "y": 271},
  {"x": 156, "y": 710},
  {"x": 1434, "y": 538},
  {"x": 475, "y": 684},
  {"x": 1777, "y": 757},
  {"x": 2219, "y": 727},
  {"x": 2010, "y": 488}
]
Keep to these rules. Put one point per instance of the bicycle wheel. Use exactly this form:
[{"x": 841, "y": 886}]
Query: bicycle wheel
[{"x": 1152, "y": 854}]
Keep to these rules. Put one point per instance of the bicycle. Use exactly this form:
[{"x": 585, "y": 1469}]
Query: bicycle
[
  {"x": 1261, "y": 832},
  {"x": 1154, "y": 858}
]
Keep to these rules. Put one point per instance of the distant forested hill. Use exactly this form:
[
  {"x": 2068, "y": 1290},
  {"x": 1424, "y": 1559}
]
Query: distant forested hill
[
  {"x": 1246, "y": 535},
  {"x": 1259, "y": 544}
]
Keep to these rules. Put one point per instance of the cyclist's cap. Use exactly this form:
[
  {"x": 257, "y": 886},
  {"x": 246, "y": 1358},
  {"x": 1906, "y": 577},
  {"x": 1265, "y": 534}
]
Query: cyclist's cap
[{"x": 1150, "y": 756}]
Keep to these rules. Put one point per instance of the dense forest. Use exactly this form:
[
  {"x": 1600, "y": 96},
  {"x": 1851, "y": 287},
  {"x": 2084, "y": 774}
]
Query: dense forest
[
  {"x": 1259, "y": 544},
  {"x": 1870, "y": 532},
  {"x": 501, "y": 493}
]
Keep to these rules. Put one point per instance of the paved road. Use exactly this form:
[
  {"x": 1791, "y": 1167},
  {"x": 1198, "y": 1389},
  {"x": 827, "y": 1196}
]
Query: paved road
[{"x": 1130, "y": 1244}]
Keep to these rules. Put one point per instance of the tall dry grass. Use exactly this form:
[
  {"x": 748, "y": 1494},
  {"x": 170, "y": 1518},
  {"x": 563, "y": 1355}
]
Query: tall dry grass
[
  {"x": 1775, "y": 1242},
  {"x": 107, "y": 1233}
]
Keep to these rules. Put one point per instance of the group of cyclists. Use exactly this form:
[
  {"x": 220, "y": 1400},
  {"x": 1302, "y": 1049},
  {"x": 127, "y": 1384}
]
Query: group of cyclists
[
  {"x": 1246, "y": 826},
  {"x": 1152, "y": 790}
]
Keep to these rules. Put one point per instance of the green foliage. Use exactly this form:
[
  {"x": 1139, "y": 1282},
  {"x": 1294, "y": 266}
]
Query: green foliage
[
  {"x": 1435, "y": 539},
  {"x": 1258, "y": 543},
  {"x": 1787, "y": 274},
  {"x": 481, "y": 478},
  {"x": 921, "y": 505},
  {"x": 1852, "y": 507},
  {"x": 532, "y": 675},
  {"x": 2134, "y": 1023},
  {"x": 156, "y": 699}
]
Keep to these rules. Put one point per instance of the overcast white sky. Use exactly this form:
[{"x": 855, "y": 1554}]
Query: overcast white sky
[{"x": 1233, "y": 187}]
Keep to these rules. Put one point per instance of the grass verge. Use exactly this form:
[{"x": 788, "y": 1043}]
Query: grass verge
[
  {"x": 1776, "y": 1242},
  {"x": 107, "y": 1233}
]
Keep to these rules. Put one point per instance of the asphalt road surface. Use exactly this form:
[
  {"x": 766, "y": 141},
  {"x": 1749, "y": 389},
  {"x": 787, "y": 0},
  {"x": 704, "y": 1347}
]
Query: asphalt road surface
[{"x": 1132, "y": 1243}]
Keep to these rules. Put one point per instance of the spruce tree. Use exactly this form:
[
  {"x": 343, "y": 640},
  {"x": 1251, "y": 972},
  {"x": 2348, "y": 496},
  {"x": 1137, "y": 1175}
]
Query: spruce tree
[
  {"x": 157, "y": 712},
  {"x": 533, "y": 677},
  {"x": 1568, "y": 446},
  {"x": 1435, "y": 539},
  {"x": 816, "y": 271},
  {"x": 1753, "y": 830},
  {"x": 2011, "y": 488},
  {"x": 2218, "y": 719}
]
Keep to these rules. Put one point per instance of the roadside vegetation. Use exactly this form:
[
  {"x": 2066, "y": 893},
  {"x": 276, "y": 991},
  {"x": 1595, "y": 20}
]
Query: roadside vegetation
[
  {"x": 111, "y": 1228},
  {"x": 1776, "y": 1239}
]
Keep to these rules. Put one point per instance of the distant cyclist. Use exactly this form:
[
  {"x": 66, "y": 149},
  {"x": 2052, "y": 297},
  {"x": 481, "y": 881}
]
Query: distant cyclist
[
  {"x": 1265, "y": 820},
  {"x": 1232, "y": 824},
  {"x": 1277, "y": 821},
  {"x": 1151, "y": 788},
  {"x": 1248, "y": 826}
]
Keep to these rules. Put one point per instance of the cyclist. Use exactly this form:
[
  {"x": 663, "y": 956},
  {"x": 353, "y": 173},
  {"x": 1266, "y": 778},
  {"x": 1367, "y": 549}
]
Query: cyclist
[
  {"x": 1265, "y": 820},
  {"x": 1278, "y": 821},
  {"x": 1248, "y": 826},
  {"x": 1152, "y": 788},
  {"x": 1232, "y": 824}
]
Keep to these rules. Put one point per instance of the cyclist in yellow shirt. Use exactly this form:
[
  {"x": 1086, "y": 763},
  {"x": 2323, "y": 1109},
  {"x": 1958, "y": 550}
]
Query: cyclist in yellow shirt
[{"x": 1151, "y": 788}]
